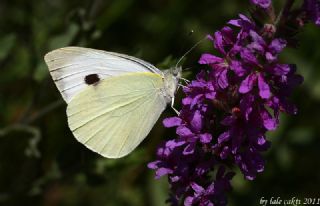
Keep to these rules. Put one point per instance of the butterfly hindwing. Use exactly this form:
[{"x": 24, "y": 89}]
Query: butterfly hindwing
[{"x": 113, "y": 116}]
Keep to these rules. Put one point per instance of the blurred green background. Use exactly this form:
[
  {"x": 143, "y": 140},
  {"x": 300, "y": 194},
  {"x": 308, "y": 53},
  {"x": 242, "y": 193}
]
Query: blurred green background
[{"x": 41, "y": 163}]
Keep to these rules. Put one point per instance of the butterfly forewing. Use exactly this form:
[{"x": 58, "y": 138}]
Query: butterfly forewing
[{"x": 70, "y": 67}]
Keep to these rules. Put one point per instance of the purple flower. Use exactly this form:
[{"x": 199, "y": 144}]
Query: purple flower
[
  {"x": 312, "y": 8},
  {"x": 226, "y": 113},
  {"x": 261, "y": 3},
  {"x": 268, "y": 51}
]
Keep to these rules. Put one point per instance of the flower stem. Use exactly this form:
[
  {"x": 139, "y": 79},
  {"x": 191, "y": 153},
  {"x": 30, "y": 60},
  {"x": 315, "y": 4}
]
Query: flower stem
[
  {"x": 287, "y": 7},
  {"x": 283, "y": 15}
]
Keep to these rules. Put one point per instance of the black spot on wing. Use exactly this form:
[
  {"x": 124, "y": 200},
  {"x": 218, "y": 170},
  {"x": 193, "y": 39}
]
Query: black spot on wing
[{"x": 91, "y": 79}]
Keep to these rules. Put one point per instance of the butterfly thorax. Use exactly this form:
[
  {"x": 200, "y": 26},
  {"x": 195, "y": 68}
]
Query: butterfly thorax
[{"x": 171, "y": 79}]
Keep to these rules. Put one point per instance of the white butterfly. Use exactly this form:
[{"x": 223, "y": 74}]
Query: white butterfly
[{"x": 113, "y": 99}]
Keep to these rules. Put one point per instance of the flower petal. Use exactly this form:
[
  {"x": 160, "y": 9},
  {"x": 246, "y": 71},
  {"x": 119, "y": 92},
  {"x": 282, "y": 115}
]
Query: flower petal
[
  {"x": 248, "y": 56},
  {"x": 189, "y": 149},
  {"x": 187, "y": 100},
  {"x": 154, "y": 165},
  {"x": 171, "y": 144},
  {"x": 172, "y": 122},
  {"x": 281, "y": 69},
  {"x": 261, "y": 140},
  {"x": 196, "y": 121},
  {"x": 258, "y": 43},
  {"x": 163, "y": 171},
  {"x": 188, "y": 201},
  {"x": 197, "y": 188},
  {"x": 209, "y": 59},
  {"x": 218, "y": 42},
  {"x": 184, "y": 131},
  {"x": 205, "y": 138},
  {"x": 223, "y": 79},
  {"x": 277, "y": 45},
  {"x": 224, "y": 137},
  {"x": 247, "y": 84},
  {"x": 264, "y": 89},
  {"x": 225, "y": 152},
  {"x": 268, "y": 122},
  {"x": 238, "y": 68}
]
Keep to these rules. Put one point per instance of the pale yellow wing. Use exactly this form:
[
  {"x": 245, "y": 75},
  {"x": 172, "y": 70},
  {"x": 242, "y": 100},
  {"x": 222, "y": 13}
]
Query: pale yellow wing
[{"x": 113, "y": 116}]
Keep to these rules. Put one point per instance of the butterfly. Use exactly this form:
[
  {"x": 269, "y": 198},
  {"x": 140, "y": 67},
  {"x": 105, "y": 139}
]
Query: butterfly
[{"x": 113, "y": 99}]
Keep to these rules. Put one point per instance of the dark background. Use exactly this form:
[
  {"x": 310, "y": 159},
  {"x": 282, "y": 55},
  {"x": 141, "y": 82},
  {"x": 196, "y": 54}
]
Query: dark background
[{"x": 41, "y": 163}]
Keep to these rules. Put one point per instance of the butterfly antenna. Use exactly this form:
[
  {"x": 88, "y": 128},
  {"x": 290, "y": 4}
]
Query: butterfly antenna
[{"x": 190, "y": 50}]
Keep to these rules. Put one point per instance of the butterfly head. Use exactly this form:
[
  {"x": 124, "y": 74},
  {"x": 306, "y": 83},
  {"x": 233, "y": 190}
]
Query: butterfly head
[
  {"x": 171, "y": 79},
  {"x": 176, "y": 71}
]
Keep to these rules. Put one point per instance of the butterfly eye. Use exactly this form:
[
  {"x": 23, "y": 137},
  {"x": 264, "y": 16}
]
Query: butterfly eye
[
  {"x": 176, "y": 71},
  {"x": 91, "y": 79}
]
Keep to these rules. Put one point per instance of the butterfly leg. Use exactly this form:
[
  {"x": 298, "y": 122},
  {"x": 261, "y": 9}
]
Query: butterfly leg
[
  {"x": 181, "y": 85},
  {"x": 174, "y": 109},
  {"x": 185, "y": 80}
]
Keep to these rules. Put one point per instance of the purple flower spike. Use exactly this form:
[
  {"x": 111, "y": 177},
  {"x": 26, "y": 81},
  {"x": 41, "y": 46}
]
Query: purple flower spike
[{"x": 226, "y": 113}]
